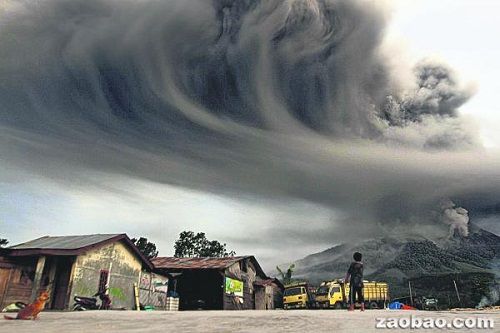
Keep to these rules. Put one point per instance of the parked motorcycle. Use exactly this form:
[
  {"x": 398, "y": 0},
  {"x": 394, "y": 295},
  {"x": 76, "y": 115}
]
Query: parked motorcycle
[{"x": 90, "y": 303}]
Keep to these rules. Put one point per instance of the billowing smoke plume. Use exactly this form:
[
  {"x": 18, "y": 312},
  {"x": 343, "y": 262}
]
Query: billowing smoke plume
[
  {"x": 493, "y": 297},
  {"x": 456, "y": 217},
  {"x": 298, "y": 66},
  {"x": 426, "y": 116},
  {"x": 287, "y": 98}
]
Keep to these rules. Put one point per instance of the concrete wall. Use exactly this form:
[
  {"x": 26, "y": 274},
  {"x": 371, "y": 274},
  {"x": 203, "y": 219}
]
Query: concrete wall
[{"x": 124, "y": 270}]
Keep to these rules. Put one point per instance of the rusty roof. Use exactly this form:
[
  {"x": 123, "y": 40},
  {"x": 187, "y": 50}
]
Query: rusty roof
[
  {"x": 195, "y": 263},
  {"x": 268, "y": 282},
  {"x": 71, "y": 246},
  {"x": 173, "y": 263}
]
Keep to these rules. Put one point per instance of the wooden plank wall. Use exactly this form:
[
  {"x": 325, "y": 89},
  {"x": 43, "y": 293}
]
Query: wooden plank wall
[
  {"x": 18, "y": 288},
  {"x": 4, "y": 279},
  {"x": 16, "y": 282},
  {"x": 231, "y": 303}
]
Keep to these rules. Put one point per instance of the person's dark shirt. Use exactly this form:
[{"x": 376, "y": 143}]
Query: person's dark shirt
[{"x": 356, "y": 274}]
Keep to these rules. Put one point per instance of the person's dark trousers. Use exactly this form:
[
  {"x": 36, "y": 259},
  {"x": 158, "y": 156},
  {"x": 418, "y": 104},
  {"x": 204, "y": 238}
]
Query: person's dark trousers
[{"x": 356, "y": 293}]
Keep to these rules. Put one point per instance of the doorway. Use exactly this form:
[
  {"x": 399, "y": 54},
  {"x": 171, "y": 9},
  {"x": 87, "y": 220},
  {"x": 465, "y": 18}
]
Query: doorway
[{"x": 61, "y": 282}]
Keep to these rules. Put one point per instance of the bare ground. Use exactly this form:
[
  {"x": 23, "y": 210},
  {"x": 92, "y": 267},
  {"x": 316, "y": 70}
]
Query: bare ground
[{"x": 305, "y": 321}]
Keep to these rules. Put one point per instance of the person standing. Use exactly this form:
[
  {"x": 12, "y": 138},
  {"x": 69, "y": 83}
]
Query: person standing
[{"x": 355, "y": 277}]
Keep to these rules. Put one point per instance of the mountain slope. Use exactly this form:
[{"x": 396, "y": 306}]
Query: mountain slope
[{"x": 430, "y": 265}]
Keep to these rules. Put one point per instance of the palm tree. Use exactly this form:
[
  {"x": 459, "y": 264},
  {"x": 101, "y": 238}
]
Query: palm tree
[{"x": 286, "y": 278}]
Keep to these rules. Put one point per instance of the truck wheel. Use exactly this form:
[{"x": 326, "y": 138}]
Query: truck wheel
[
  {"x": 337, "y": 306},
  {"x": 373, "y": 305}
]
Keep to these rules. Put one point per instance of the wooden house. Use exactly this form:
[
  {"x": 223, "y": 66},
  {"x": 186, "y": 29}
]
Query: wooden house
[
  {"x": 230, "y": 283},
  {"x": 72, "y": 265}
]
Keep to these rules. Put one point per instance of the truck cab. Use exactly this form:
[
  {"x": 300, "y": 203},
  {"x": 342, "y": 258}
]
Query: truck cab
[
  {"x": 335, "y": 294},
  {"x": 297, "y": 296},
  {"x": 330, "y": 294}
]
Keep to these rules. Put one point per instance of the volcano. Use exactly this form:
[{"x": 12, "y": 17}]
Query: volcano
[{"x": 430, "y": 265}]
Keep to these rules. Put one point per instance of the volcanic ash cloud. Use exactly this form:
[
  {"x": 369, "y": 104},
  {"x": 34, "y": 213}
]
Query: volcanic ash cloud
[{"x": 287, "y": 99}]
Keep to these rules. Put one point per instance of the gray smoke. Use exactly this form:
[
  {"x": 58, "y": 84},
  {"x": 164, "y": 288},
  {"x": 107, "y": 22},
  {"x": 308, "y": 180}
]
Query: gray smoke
[
  {"x": 493, "y": 295},
  {"x": 492, "y": 298},
  {"x": 426, "y": 116},
  {"x": 456, "y": 217},
  {"x": 276, "y": 98}
]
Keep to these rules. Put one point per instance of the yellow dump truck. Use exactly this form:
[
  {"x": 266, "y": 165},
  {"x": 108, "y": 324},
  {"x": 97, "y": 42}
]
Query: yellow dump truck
[
  {"x": 298, "y": 296},
  {"x": 335, "y": 294}
]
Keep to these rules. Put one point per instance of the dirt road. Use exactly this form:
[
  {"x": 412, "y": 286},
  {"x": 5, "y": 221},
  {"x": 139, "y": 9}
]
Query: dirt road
[{"x": 231, "y": 321}]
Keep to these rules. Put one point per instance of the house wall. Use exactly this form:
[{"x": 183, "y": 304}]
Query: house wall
[
  {"x": 260, "y": 298},
  {"x": 269, "y": 297},
  {"x": 124, "y": 270},
  {"x": 277, "y": 296},
  {"x": 248, "y": 278},
  {"x": 16, "y": 280},
  {"x": 153, "y": 290},
  {"x": 264, "y": 297}
]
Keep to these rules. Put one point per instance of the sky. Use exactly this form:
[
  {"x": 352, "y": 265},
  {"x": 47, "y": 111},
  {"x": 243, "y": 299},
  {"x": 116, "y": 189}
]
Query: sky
[{"x": 273, "y": 185}]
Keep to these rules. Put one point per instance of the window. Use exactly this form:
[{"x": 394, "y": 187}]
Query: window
[
  {"x": 103, "y": 281},
  {"x": 323, "y": 290},
  {"x": 292, "y": 291}
]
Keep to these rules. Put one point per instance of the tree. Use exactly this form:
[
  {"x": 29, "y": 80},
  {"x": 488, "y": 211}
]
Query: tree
[
  {"x": 190, "y": 244},
  {"x": 148, "y": 249},
  {"x": 3, "y": 242},
  {"x": 286, "y": 278}
]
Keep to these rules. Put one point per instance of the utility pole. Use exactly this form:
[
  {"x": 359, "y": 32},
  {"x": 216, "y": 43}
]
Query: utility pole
[
  {"x": 411, "y": 296},
  {"x": 458, "y": 295}
]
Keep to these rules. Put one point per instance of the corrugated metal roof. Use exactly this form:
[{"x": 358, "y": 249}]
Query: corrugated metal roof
[
  {"x": 265, "y": 282},
  {"x": 195, "y": 263},
  {"x": 63, "y": 242},
  {"x": 71, "y": 246},
  {"x": 268, "y": 282}
]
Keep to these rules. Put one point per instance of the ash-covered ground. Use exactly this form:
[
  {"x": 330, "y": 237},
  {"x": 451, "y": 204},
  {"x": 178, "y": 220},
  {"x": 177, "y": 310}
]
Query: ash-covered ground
[{"x": 229, "y": 321}]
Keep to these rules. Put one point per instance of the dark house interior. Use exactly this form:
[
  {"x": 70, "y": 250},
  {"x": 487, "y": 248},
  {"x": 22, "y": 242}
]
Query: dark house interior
[{"x": 201, "y": 289}]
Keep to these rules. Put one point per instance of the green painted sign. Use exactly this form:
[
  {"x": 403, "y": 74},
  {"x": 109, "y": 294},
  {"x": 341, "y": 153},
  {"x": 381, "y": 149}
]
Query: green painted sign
[{"x": 234, "y": 287}]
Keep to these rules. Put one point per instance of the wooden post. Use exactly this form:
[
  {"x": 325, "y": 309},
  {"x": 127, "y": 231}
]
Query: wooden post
[
  {"x": 67, "y": 300},
  {"x": 136, "y": 294},
  {"x": 38, "y": 278},
  {"x": 52, "y": 273},
  {"x": 51, "y": 286}
]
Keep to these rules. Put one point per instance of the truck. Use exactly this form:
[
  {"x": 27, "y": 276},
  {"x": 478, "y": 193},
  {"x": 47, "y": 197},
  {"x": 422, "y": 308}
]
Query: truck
[
  {"x": 334, "y": 294},
  {"x": 298, "y": 296}
]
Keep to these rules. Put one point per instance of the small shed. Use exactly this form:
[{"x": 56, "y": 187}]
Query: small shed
[
  {"x": 229, "y": 283},
  {"x": 271, "y": 296},
  {"x": 72, "y": 265}
]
